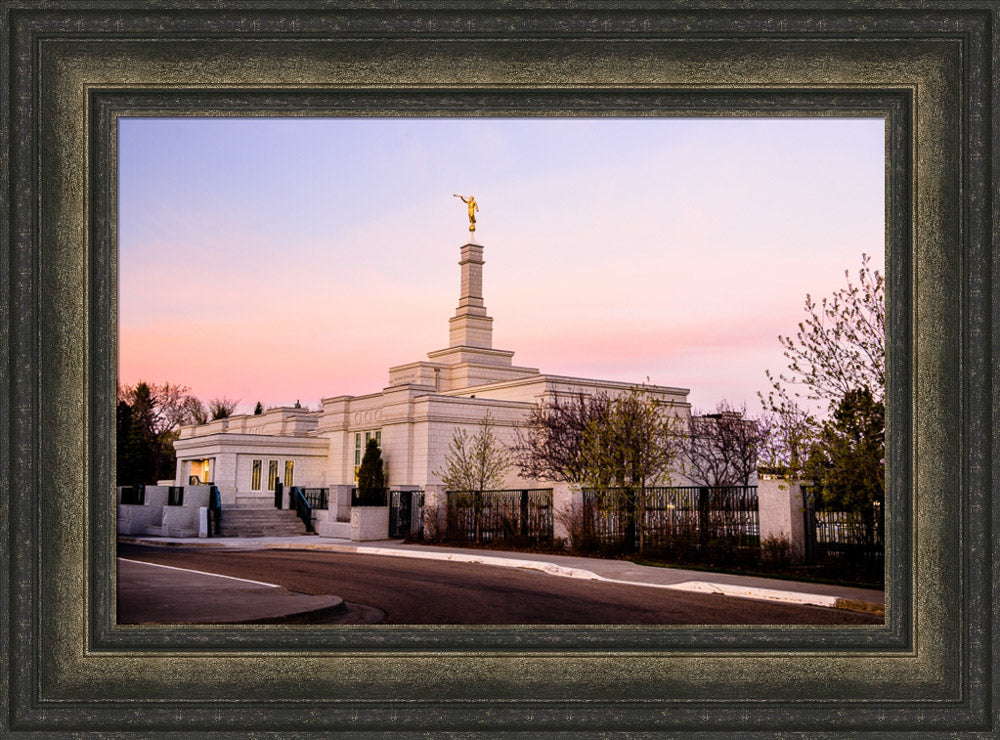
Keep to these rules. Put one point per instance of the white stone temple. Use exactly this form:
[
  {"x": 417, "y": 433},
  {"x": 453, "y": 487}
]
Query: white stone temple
[{"x": 414, "y": 417}]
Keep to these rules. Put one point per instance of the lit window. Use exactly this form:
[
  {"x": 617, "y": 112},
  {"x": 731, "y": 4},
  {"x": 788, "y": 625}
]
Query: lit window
[
  {"x": 360, "y": 442},
  {"x": 255, "y": 476},
  {"x": 289, "y": 464},
  {"x": 272, "y": 474}
]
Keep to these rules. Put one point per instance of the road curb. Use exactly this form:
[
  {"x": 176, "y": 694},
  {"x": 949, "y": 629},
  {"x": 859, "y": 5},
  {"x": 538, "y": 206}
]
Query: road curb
[
  {"x": 743, "y": 592},
  {"x": 699, "y": 586},
  {"x": 868, "y": 607}
]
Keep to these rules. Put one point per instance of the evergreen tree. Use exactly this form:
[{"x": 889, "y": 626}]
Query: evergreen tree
[
  {"x": 847, "y": 461},
  {"x": 131, "y": 457},
  {"x": 258, "y": 409},
  {"x": 148, "y": 418},
  {"x": 371, "y": 477}
]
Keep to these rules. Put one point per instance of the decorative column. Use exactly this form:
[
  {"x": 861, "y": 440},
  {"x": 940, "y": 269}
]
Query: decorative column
[{"x": 470, "y": 326}]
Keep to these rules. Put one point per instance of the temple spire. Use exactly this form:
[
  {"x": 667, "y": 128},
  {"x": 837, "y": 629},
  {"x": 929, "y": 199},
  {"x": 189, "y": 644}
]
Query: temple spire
[{"x": 470, "y": 326}]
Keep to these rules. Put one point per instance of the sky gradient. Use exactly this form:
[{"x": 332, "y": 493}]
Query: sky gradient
[{"x": 277, "y": 260}]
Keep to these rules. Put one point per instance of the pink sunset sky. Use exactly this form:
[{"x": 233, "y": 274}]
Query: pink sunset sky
[{"x": 277, "y": 260}]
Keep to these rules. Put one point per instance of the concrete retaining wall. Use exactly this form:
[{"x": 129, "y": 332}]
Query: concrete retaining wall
[
  {"x": 154, "y": 517},
  {"x": 369, "y": 523}
]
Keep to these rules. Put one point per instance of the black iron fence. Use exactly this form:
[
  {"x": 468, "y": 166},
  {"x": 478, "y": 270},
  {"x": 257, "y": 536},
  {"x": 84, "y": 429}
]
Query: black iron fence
[
  {"x": 855, "y": 536},
  {"x": 671, "y": 517},
  {"x": 523, "y": 515},
  {"x": 317, "y": 498},
  {"x": 406, "y": 514},
  {"x": 134, "y": 495}
]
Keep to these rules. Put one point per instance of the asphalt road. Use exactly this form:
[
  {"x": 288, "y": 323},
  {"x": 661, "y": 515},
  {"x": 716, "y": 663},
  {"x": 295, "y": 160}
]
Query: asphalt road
[{"x": 438, "y": 592}]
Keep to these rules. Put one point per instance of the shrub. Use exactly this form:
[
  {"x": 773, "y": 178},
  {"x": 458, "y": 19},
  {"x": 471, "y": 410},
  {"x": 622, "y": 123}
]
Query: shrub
[{"x": 776, "y": 551}]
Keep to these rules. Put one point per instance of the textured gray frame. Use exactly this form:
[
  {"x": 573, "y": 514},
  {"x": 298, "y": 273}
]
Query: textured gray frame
[{"x": 70, "y": 69}]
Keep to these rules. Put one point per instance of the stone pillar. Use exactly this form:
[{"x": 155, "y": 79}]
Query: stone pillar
[
  {"x": 340, "y": 502},
  {"x": 567, "y": 510},
  {"x": 224, "y": 476},
  {"x": 435, "y": 511},
  {"x": 470, "y": 326},
  {"x": 779, "y": 503}
]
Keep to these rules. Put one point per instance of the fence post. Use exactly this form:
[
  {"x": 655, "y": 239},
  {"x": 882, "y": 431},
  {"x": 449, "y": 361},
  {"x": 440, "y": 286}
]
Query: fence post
[
  {"x": 779, "y": 502},
  {"x": 703, "y": 516}
]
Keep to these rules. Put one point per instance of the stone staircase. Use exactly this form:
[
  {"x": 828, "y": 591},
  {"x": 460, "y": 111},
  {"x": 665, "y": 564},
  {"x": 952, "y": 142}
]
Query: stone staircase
[{"x": 247, "y": 521}]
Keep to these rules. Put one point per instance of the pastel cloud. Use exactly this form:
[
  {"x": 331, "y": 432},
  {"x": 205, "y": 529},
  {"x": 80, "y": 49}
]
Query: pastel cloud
[{"x": 621, "y": 249}]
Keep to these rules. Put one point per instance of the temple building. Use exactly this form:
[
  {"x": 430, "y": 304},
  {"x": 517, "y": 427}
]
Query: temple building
[{"x": 414, "y": 417}]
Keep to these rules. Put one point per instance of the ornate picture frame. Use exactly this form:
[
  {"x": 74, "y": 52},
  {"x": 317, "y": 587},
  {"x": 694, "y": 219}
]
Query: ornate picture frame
[{"x": 71, "y": 69}]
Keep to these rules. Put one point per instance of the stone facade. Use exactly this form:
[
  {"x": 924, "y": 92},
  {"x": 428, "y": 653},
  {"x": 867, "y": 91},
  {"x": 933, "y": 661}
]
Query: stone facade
[{"x": 415, "y": 415}]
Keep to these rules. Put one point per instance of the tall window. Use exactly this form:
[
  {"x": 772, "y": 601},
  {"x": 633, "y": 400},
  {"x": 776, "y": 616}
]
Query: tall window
[
  {"x": 360, "y": 442},
  {"x": 255, "y": 475},
  {"x": 272, "y": 474},
  {"x": 289, "y": 464}
]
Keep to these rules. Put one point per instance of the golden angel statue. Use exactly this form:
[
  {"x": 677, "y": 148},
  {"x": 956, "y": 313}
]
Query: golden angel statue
[{"x": 473, "y": 207}]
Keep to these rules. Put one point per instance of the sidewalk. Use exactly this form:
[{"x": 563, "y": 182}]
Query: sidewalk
[
  {"x": 149, "y": 593},
  {"x": 616, "y": 571}
]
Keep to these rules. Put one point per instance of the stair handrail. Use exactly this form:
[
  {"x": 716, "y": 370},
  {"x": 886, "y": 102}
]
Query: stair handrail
[
  {"x": 297, "y": 500},
  {"x": 214, "y": 510}
]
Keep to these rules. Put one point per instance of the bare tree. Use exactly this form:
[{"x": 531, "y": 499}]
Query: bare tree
[
  {"x": 221, "y": 408},
  {"x": 166, "y": 406},
  {"x": 724, "y": 447},
  {"x": 633, "y": 444},
  {"x": 840, "y": 346},
  {"x": 710, "y": 460},
  {"x": 475, "y": 463},
  {"x": 549, "y": 444},
  {"x": 838, "y": 349},
  {"x": 790, "y": 434},
  {"x": 197, "y": 414},
  {"x": 148, "y": 417},
  {"x": 599, "y": 440},
  {"x": 616, "y": 445}
]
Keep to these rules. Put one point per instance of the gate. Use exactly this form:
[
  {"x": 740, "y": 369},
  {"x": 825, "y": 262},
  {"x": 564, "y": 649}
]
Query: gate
[{"x": 405, "y": 508}]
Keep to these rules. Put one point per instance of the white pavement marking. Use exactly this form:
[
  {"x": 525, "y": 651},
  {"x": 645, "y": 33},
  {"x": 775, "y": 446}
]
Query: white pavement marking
[
  {"x": 201, "y": 572},
  {"x": 743, "y": 592}
]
